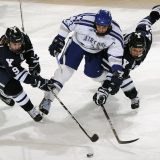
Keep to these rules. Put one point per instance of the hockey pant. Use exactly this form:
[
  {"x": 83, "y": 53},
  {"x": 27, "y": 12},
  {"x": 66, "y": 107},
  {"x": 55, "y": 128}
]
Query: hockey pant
[
  {"x": 71, "y": 61},
  {"x": 13, "y": 89}
]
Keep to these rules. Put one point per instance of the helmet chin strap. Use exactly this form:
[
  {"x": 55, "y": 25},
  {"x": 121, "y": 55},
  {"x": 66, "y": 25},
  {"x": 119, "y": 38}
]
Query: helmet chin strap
[
  {"x": 140, "y": 55},
  {"x": 100, "y": 34}
]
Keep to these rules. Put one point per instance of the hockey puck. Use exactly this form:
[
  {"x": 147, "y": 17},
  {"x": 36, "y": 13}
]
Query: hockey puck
[{"x": 89, "y": 155}]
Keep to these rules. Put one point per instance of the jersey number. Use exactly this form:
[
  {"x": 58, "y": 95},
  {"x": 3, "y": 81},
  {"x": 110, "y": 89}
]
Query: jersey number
[{"x": 15, "y": 70}]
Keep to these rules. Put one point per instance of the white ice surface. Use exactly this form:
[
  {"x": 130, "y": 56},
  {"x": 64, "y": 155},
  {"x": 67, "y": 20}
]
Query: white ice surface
[{"x": 59, "y": 137}]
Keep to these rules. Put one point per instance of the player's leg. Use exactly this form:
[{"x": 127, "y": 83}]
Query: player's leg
[
  {"x": 69, "y": 63},
  {"x": 14, "y": 89},
  {"x": 130, "y": 91}
]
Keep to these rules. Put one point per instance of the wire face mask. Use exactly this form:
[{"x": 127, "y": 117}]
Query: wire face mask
[{"x": 137, "y": 45}]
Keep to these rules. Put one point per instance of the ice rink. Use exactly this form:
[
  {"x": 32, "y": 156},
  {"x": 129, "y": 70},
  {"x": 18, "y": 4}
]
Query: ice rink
[{"x": 58, "y": 137}]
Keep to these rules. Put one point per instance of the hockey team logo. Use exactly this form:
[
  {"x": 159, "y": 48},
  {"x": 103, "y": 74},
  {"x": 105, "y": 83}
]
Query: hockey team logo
[
  {"x": 94, "y": 43},
  {"x": 21, "y": 56},
  {"x": 138, "y": 35},
  {"x": 9, "y": 61}
]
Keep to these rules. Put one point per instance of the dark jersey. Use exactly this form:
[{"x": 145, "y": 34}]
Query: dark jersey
[
  {"x": 11, "y": 62},
  {"x": 130, "y": 63}
]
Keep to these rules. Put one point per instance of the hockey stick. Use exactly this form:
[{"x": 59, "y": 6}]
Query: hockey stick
[
  {"x": 94, "y": 138},
  {"x": 20, "y": 6},
  {"x": 63, "y": 52},
  {"x": 59, "y": 65},
  {"x": 66, "y": 46},
  {"x": 114, "y": 131}
]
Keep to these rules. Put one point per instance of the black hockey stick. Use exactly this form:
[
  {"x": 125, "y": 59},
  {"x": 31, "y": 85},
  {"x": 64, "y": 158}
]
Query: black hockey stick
[
  {"x": 114, "y": 131},
  {"x": 94, "y": 138},
  {"x": 63, "y": 52},
  {"x": 20, "y": 7}
]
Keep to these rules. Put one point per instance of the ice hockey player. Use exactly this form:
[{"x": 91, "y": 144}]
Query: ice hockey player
[
  {"x": 136, "y": 47},
  {"x": 94, "y": 33},
  {"x": 16, "y": 47}
]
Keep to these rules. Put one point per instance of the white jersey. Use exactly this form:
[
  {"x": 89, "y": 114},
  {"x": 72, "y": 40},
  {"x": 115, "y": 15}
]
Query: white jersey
[{"x": 85, "y": 36}]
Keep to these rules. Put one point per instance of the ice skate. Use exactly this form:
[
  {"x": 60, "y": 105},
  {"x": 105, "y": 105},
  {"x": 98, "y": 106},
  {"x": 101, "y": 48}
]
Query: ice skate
[
  {"x": 35, "y": 114},
  {"x": 135, "y": 103}
]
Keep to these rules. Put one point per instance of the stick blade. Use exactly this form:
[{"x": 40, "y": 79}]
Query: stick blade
[
  {"x": 127, "y": 142},
  {"x": 94, "y": 138}
]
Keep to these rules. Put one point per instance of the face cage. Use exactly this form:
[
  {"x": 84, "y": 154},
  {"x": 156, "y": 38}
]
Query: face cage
[
  {"x": 138, "y": 57},
  {"x": 105, "y": 33},
  {"x": 18, "y": 51}
]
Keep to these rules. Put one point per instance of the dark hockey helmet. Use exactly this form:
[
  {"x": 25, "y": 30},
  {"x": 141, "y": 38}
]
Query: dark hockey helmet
[
  {"x": 137, "y": 40},
  {"x": 13, "y": 34},
  {"x": 137, "y": 45},
  {"x": 103, "y": 18}
]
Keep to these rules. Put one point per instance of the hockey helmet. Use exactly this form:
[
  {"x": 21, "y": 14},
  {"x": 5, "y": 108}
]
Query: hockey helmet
[
  {"x": 103, "y": 18},
  {"x": 137, "y": 45},
  {"x": 137, "y": 40},
  {"x": 13, "y": 34}
]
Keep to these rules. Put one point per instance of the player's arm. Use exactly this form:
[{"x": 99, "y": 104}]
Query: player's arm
[
  {"x": 31, "y": 58},
  {"x": 67, "y": 26},
  {"x": 22, "y": 75}
]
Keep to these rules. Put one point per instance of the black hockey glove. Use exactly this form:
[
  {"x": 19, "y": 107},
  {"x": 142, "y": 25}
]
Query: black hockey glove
[
  {"x": 57, "y": 45},
  {"x": 100, "y": 96},
  {"x": 51, "y": 84},
  {"x": 41, "y": 83},
  {"x": 113, "y": 85},
  {"x": 35, "y": 70},
  {"x": 34, "y": 67}
]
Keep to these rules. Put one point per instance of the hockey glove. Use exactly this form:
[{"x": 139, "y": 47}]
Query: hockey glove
[
  {"x": 41, "y": 83},
  {"x": 57, "y": 45},
  {"x": 51, "y": 84},
  {"x": 100, "y": 96},
  {"x": 34, "y": 67},
  {"x": 114, "y": 84},
  {"x": 35, "y": 70}
]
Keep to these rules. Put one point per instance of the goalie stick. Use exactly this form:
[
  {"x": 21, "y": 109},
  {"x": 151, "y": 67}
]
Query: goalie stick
[{"x": 114, "y": 131}]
